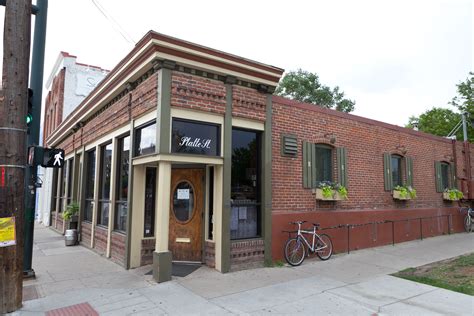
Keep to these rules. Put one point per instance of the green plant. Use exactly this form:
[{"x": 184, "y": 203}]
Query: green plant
[
  {"x": 328, "y": 189},
  {"x": 405, "y": 191},
  {"x": 454, "y": 194},
  {"x": 71, "y": 210}
]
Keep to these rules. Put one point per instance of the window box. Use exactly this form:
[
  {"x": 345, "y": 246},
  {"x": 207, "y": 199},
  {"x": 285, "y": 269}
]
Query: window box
[
  {"x": 404, "y": 193},
  {"x": 452, "y": 195},
  {"x": 335, "y": 196}
]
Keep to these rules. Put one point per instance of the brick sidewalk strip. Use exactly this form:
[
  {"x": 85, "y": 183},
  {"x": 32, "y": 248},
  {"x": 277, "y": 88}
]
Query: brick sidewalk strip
[{"x": 83, "y": 309}]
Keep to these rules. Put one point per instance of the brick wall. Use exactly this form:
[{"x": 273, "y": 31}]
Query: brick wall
[
  {"x": 246, "y": 254},
  {"x": 143, "y": 99},
  {"x": 366, "y": 141},
  {"x": 86, "y": 228},
  {"x": 248, "y": 103},
  {"x": 210, "y": 254},
  {"x": 195, "y": 92},
  {"x": 148, "y": 246},
  {"x": 100, "y": 239},
  {"x": 117, "y": 248},
  {"x": 54, "y": 105}
]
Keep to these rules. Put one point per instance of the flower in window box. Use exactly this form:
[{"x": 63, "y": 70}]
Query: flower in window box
[
  {"x": 330, "y": 191},
  {"x": 404, "y": 192},
  {"x": 452, "y": 195}
]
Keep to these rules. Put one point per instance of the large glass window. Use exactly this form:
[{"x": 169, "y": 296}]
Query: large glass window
[
  {"x": 396, "y": 170},
  {"x": 104, "y": 188},
  {"x": 90, "y": 182},
  {"x": 70, "y": 171},
  {"x": 63, "y": 196},
  {"x": 444, "y": 176},
  {"x": 245, "y": 185},
  {"x": 193, "y": 137},
  {"x": 145, "y": 140},
  {"x": 150, "y": 189},
  {"x": 123, "y": 162},
  {"x": 210, "y": 226},
  {"x": 323, "y": 163}
]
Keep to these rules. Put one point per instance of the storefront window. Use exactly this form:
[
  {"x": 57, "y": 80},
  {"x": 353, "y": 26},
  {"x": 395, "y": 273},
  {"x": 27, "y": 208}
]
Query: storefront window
[
  {"x": 70, "y": 171},
  {"x": 150, "y": 189},
  {"x": 104, "y": 189},
  {"x": 197, "y": 138},
  {"x": 90, "y": 181},
  {"x": 245, "y": 185},
  {"x": 183, "y": 201},
  {"x": 123, "y": 162},
  {"x": 145, "y": 139},
  {"x": 63, "y": 197}
]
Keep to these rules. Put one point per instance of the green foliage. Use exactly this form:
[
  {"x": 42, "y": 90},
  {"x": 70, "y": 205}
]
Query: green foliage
[
  {"x": 328, "y": 189},
  {"x": 304, "y": 86},
  {"x": 440, "y": 121},
  {"x": 406, "y": 191},
  {"x": 454, "y": 194},
  {"x": 71, "y": 210},
  {"x": 274, "y": 264}
]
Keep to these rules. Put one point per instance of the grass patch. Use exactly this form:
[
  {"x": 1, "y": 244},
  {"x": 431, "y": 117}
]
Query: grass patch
[
  {"x": 274, "y": 264},
  {"x": 455, "y": 274}
]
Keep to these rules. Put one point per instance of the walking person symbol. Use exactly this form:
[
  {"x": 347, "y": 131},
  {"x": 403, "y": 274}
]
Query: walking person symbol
[{"x": 57, "y": 159}]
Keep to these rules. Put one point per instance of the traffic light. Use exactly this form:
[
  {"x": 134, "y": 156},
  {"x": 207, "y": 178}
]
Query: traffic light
[{"x": 29, "y": 114}]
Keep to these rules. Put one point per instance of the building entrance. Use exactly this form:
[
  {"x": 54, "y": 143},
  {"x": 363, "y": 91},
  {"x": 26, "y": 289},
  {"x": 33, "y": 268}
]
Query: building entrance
[{"x": 186, "y": 214}]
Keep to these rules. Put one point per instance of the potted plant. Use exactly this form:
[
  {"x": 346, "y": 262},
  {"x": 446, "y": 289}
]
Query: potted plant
[
  {"x": 452, "y": 194},
  {"x": 70, "y": 214},
  {"x": 330, "y": 191},
  {"x": 401, "y": 192}
]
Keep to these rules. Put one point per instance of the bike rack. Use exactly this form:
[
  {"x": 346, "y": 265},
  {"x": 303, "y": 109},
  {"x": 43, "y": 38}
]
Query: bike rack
[{"x": 348, "y": 227}]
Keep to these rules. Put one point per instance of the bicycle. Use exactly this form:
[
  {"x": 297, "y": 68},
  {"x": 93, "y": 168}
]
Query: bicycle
[
  {"x": 469, "y": 219},
  {"x": 295, "y": 250}
]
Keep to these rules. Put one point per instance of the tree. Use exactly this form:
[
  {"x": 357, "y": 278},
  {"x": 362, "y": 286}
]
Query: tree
[
  {"x": 464, "y": 101},
  {"x": 439, "y": 121},
  {"x": 304, "y": 86}
]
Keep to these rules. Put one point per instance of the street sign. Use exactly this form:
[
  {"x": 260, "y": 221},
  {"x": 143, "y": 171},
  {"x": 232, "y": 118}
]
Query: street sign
[{"x": 53, "y": 158}]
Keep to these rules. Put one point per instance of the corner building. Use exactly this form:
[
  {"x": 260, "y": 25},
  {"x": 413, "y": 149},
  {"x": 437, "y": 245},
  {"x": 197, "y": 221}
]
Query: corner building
[{"x": 182, "y": 153}]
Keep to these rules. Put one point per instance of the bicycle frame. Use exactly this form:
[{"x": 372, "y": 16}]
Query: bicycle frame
[{"x": 314, "y": 234}]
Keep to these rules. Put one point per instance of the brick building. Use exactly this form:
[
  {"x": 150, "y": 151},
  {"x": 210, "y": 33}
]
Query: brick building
[{"x": 182, "y": 153}]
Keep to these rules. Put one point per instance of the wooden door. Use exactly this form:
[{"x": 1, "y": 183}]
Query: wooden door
[{"x": 186, "y": 210}]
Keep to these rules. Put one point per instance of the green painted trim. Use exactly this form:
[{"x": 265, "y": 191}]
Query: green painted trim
[
  {"x": 226, "y": 208},
  {"x": 164, "y": 108},
  {"x": 267, "y": 181},
  {"x": 128, "y": 238},
  {"x": 162, "y": 262}
]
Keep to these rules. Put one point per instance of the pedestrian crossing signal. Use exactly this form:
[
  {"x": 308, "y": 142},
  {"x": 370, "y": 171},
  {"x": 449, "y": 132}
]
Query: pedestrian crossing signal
[{"x": 53, "y": 158}]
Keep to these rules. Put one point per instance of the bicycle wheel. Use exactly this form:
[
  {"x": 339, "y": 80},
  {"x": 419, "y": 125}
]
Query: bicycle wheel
[
  {"x": 324, "y": 242},
  {"x": 294, "y": 251},
  {"x": 467, "y": 223}
]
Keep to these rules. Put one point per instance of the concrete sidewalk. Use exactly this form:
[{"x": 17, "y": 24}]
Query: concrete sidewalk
[{"x": 354, "y": 284}]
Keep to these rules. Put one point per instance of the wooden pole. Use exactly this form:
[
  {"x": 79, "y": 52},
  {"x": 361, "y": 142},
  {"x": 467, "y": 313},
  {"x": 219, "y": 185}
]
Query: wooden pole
[{"x": 13, "y": 108}]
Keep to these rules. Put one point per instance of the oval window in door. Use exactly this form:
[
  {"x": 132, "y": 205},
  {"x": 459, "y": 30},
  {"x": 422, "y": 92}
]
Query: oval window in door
[{"x": 183, "y": 201}]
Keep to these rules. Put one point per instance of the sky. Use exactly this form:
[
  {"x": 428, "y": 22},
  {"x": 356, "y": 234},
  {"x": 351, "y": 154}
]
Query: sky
[{"x": 394, "y": 58}]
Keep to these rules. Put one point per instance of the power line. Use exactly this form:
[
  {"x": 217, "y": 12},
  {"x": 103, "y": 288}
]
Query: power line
[{"x": 114, "y": 23}]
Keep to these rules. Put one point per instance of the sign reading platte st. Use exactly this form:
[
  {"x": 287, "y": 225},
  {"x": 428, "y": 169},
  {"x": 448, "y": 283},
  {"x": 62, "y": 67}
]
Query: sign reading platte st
[{"x": 194, "y": 137}]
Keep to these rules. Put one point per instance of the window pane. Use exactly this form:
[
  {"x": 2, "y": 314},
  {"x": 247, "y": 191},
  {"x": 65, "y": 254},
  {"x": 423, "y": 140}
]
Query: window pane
[
  {"x": 121, "y": 210},
  {"x": 150, "y": 188},
  {"x": 245, "y": 184},
  {"x": 103, "y": 213},
  {"x": 323, "y": 163},
  {"x": 70, "y": 170},
  {"x": 106, "y": 165},
  {"x": 183, "y": 201},
  {"x": 210, "y": 226},
  {"x": 145, "y": 141},
  {"x": 88, "y": 210},
  {"x": 396, "y": 171},
  {"x": 194, "y": 137},
  {"x": 444, "y": 176},
  {"x": 90, "y": 174},
  {"x": 63, "y": 189}
]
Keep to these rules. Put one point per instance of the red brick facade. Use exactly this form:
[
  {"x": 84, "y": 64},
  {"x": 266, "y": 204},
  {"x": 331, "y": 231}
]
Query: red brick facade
[
  {"x": 54, "y": 105},
  {"x": 117, "y": 248},
  {"x": 100, "y": 239},
  {"x": 365, "y": 141},
  {"x": 86, "y": 228},
  {"x": 246, "y": 254}
]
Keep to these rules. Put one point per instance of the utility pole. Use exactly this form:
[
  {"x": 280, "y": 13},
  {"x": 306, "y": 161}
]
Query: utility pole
[
  {"x": 13, "y": 105},
  {"x": 36, "y": 85}
]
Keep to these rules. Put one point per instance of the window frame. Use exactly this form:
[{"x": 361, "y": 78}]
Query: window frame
[
  {"x": 102, "y": 198},
  {"x": 137, "y": 133},
  {"x": 120, "y": 201},
  {"x": 323, "y": 146},
  {"x": 89, "y": 194},
  {"x": 401, "y": 175}
]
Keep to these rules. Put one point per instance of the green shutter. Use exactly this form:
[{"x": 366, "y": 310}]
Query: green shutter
[
  {"x": 313, "y": 165},
  {"x": 308, "y": 164},
  {"x": 387, "y": 171},
  {"x": 439, "y": 186},
  {"x": 409, "y": 170},
  {"x": 342, "y": 166},
  {"x": 454, "y": 181}
]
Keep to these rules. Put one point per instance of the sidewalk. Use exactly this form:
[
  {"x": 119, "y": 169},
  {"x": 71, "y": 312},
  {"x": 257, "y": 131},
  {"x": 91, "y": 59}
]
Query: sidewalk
[{"x": 354, "y": 284}]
